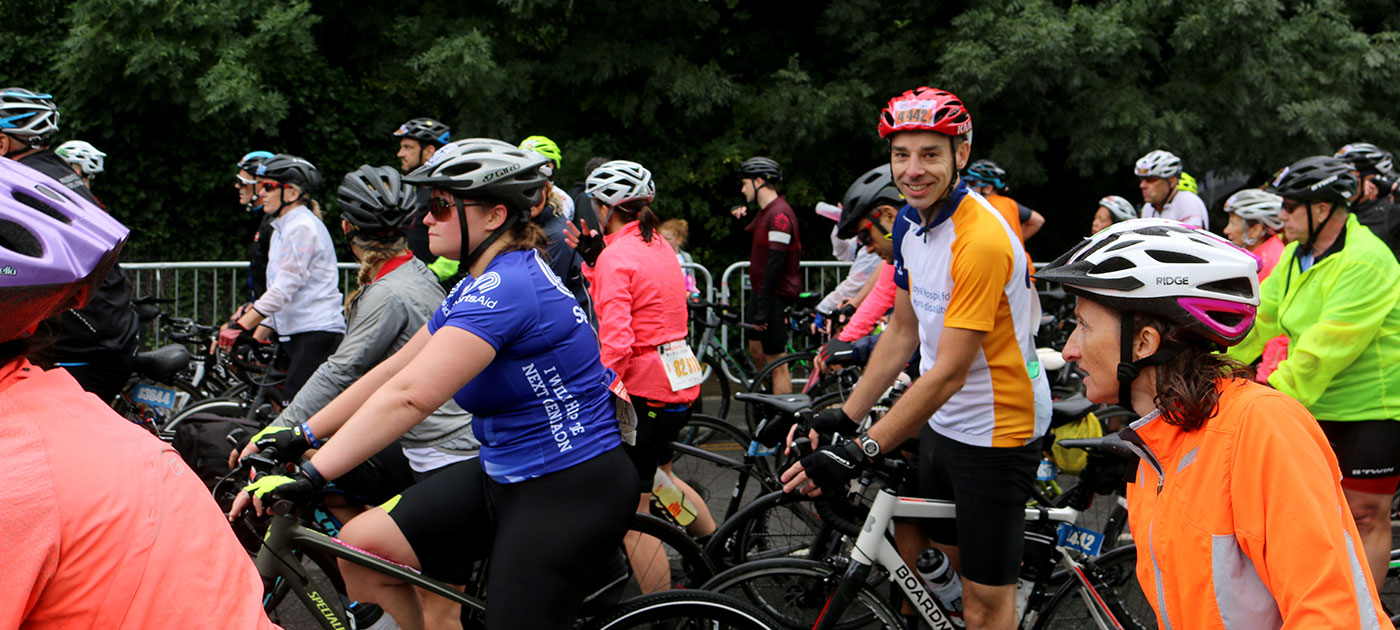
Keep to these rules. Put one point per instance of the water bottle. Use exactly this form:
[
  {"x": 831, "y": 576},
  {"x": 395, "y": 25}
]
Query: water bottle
[
  {"x": 665, "y": 492},
  {"x": 938, "y": 574}
]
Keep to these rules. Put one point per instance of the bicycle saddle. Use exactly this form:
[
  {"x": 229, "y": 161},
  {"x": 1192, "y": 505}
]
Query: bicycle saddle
[
  {"x": 1110, "y": 443},
  {"x": 1069, "y": 409},
  {"x": 162, "y": 363},
  {"x": 787, "y": 404}
]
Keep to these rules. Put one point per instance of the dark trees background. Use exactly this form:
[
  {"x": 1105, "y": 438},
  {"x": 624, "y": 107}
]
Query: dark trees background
[{"x": 1064, "y": 95}]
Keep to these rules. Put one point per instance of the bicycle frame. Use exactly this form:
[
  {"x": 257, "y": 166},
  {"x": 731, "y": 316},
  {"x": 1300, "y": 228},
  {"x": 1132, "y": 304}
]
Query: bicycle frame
[
  {"x": 875, "y": 546},
  {"x": 284, "y": 533}
]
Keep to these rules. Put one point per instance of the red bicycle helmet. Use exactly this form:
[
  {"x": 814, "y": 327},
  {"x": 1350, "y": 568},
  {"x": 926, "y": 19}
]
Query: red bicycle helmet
[{"x": 926, "y": 109}]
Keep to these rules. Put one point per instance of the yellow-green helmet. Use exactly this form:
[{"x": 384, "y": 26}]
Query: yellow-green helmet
[
  {"x": 1187, "y": 183},
  {"x": 546, "y": 147}
]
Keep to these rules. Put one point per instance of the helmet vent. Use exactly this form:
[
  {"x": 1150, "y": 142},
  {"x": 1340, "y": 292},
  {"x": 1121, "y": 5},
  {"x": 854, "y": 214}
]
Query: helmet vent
[
  {"x": 42, "y": 205},
  {"x": 1239, "y": 287},
  {"x": 17, "y": 238},
  {"x": 1161, "y": 255},
  {"x": 1117, "y": 263}
]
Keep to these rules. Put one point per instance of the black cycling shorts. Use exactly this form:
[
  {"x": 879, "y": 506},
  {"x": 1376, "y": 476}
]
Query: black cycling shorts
[
  {"x": 990, "y": 487},
  {"x": 775, "y": 337},
  {"x": 378, "y": 478},
  {"x": 1366, "y": 449},
  {"x": 548, "y": 538},
  {"x": 658, "y": 425}
]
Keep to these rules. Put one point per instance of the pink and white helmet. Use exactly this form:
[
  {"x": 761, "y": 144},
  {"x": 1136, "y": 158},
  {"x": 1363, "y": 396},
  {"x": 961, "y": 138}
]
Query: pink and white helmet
[{"x": 1167, "y": 269}]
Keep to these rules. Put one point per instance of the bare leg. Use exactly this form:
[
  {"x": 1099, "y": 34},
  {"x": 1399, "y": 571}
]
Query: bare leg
[
  {"x": 440, "y": 613},
  {"x": 782, "y": 379},
  {"x": 649, "y": 562},
  {"x": 376, "y": 533},
  {"x": 1372, "y": 514},
  {"x": 989, "y": 607}
]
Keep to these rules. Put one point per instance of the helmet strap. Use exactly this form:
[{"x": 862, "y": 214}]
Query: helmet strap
[
  {"x": 1128, "y": 369},
  {"x": 469, "y": 258}
]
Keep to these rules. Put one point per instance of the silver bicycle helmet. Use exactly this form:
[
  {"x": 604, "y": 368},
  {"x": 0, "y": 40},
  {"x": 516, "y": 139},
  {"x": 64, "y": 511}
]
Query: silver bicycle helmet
[{"x": 1158, "y": 164}]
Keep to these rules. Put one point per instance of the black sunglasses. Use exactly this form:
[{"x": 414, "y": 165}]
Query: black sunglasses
[{"x": 441, "y": 207}]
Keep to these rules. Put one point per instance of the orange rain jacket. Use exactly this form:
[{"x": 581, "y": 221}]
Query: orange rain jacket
[{"x": 1241, "y": 524}]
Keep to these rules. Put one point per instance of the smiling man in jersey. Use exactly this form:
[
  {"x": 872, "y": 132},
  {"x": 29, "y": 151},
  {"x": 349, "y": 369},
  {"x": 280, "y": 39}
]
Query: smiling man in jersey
[{"x": 965, "y": 301}]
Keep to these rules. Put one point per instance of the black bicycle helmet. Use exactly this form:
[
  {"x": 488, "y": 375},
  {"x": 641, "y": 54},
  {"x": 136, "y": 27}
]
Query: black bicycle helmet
[
  {"x": 1367, "y": 158},
  {"x": 872, "y": 189},
  {"x": 1317, "y": 178},
  {"x": 28, "y": 116},
  {"x": 761, "y": 167},
  {"x": 987, "y": 172},
  {"x": 377, "y": 202},
  {"x": 290, "y": 169},
  {"x": 425, "y": 130}
]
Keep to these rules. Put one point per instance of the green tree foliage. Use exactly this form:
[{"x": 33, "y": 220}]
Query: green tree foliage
[{"x": 1064, "y": 95}]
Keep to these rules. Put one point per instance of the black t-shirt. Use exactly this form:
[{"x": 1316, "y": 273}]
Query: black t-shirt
[
  {"x": 107, "y": 326},
  {"x": 1383, "y": 218}
]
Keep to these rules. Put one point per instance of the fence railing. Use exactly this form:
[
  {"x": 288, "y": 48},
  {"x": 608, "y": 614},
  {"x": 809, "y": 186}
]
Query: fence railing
[
  {"x": 818, "y": 276},
  {"x": 207, "y": 292}
]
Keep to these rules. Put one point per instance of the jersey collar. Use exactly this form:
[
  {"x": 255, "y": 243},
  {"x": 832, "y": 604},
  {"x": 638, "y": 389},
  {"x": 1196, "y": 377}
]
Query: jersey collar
[{"x": 945, "y": 211}]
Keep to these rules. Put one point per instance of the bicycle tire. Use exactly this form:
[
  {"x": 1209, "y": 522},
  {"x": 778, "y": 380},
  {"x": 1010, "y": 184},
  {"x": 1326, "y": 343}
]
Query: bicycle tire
[
  {"x": 681, "y": 610},
  {"x": 216, "y": 406},
  {"x": 775, "y": 525},
  {"x": 800, "y": 367},
  {"x": 1390, "y": 589},
  {"x": 1115, "y": 579},
  {"x": 795, "y": 591},
  {"x": 712, "y": 372},
  {"x": 717, "y": 483},
  {"x": 688, "y": 563}
]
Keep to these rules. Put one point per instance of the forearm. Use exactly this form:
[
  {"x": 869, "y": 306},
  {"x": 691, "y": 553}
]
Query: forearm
[
  {"x": 379, "y": 421},
  {"x": 889, "y": 358},
  {"x": 334, "y": 414},
  {"x": 916, "y": 406},
  {"x": 772, "y": 271}
]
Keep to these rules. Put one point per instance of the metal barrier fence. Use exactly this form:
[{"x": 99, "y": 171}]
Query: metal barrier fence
[
  {"x": 207, "y": 292},
  {"x": 818, "y": 277}
]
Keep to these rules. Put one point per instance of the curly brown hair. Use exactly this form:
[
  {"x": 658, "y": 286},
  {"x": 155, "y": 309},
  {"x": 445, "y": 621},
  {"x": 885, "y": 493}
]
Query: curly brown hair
[{"x": 1188, "y": 391}]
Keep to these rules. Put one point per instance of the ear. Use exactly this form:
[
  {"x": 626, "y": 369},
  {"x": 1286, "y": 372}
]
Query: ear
[
  {"x": 496, "y": 217},
  {"x": 428, "y": 152},
  {"x": 887, "y": 214},
  {"x": 345, "y": 226},
  {"x": 1147, "y": 341},
  {"x": 964, "y": 153}
]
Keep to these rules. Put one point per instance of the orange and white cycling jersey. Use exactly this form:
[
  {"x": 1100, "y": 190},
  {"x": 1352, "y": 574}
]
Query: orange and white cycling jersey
[{"x": 966, "y": 268}]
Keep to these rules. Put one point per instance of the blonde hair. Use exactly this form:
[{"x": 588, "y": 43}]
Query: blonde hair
[
  {"x": 678, "y": 228},
  {"x": 373, "y": 254}
]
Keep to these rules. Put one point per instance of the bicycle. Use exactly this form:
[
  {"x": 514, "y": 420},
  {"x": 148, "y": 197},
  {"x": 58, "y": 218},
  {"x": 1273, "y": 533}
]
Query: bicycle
[
  {"x": 840, "y": 591},
  {"x": 293, "y": 532}
]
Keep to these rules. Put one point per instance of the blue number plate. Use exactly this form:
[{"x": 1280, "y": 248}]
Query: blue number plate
[
  {"x": 1086, "y": 541},
  {"x": 155, "y": 396}
]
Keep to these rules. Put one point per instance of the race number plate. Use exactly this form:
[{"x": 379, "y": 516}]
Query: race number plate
[
  {"x": 155, "y": 396},
  {"x": 682, "y": 370},
  {"x": 1086, "y": 541}
]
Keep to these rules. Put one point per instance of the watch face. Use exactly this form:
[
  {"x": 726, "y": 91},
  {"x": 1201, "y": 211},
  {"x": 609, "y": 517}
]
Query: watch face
[{"x": 870, "y": 446}]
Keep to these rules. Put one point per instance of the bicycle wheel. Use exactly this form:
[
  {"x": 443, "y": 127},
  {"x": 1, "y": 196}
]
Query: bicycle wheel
[
  {"x": 795, "y": 592},
  {"x": 717, "y": 478},
  {"x": 682, "y": 610},
  {"x": 775, "y": 525},
  {"x": 1114, "y": 579},
  {"x": 217, "y": 406},
  {"x": 687, "y": 562},
  {"x": 714, "y": 375}
]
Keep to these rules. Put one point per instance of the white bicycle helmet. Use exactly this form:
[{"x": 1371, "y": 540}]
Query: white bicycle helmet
[
  {"x": 1168, "y": 269},
  {"x": 1158, "y": 164},
  {"x": 1119, "y": 208},
  {"x": 620, "y": 181},
  {"x": 1257, "y": 205},
  {"x": 86, "y": 156}
]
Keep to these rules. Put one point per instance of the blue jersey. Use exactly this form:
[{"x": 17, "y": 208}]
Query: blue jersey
[{"x": 543, "y": 403}]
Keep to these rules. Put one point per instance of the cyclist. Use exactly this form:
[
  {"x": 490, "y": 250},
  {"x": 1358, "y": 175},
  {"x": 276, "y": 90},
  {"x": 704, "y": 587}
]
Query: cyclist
[
  {"x": 418, "y": 140},
  {"x": 1373, "y": 206},
  {"x": 676, "y": 231},
  {"x": 262, "y": 237},
  {"x": 302, "y": 302},
  {"x": 513, "y": 347},
  {"x": 96, "y": 342},
  {"x": 1254, "y": 225},
  {"x": 639, "y": 292},
  {"x": 1112, "y": 209},
  {"x": 774, "y": 260},
  {"x": 965, "y": 301},
  {"x": 989, "y": 180},
  {"x": 85, "y": 159},
  {"x": 1336, "y": 295},
  {"x": 561, "y": 200},
  {"x": 1234, "y": 506},
  {"x": 1159, "y": 178},
  {"x": 102, "y": 521}
]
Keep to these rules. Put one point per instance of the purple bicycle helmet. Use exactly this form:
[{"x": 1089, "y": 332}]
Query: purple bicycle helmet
[{"x": 55, "y": 248}]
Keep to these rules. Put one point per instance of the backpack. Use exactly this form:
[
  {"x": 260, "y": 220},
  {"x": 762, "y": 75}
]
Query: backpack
[{"x": 201, "y": 442}]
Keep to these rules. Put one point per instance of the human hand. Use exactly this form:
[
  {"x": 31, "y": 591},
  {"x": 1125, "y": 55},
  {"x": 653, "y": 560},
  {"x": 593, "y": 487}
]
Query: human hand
[{"x": 739, "y": 211}]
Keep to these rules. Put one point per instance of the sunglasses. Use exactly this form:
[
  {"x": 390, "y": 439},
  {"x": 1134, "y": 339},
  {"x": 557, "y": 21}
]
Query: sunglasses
[
  {"x": 269, "y": 186},
  {"x": 1289, "y": 205},
  {"x": 863, "y": 236},
  {"x": 441, "y": 207}
]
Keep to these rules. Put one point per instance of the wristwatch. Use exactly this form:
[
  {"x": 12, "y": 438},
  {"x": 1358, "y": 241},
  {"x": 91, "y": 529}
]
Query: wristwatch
[{"x": 868, "y": 445}]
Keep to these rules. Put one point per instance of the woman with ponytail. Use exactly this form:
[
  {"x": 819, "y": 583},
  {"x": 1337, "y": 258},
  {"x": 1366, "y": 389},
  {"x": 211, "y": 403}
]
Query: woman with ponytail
[{"x": 638, "y": 292}]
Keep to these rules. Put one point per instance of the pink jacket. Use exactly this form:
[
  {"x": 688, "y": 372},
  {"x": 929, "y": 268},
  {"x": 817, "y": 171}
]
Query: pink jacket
[
  {"x": 638, "y": 293},
  {"x": 104, "y": 526},
  {"x": 875, "y": 305}
]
